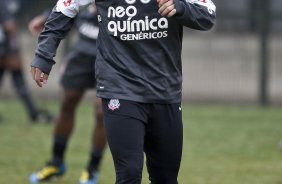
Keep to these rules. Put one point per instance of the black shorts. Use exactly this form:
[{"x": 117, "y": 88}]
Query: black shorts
[
  {"x": 6, "y": 49},
  {"x": 78, "y": 72},
  {"x": 133, "y": 128}
]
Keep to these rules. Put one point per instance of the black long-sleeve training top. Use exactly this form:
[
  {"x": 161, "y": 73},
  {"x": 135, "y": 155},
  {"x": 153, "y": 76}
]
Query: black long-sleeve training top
[
  {"x": 87, "y": 26},
  {"x": 139, "y": 51}
]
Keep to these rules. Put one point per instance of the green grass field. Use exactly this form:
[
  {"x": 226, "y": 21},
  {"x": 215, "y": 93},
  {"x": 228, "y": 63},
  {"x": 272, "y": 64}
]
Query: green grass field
[{"x": 222, "y": 145}]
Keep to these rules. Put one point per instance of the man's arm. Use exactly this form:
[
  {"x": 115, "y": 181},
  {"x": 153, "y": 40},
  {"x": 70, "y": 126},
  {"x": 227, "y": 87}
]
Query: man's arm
[
  {"x": 56, "y": 28},
  {"x": 196, "y": 14}
]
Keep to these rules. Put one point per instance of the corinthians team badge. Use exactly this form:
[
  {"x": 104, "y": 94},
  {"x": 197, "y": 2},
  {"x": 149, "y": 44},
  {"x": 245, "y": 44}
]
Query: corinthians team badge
[{"x": 114, "y": 104}]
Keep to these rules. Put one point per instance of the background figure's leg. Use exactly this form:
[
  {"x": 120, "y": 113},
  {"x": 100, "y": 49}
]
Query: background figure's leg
[
  {"x": 64, "y": 124},
  {"x": 22, "y": 91},
  {"x": 13, "y": 63},
  {"x": 99, "y": 140},
  {"x": 62, "y": 132},
  {"x": 2, "y": 71}
]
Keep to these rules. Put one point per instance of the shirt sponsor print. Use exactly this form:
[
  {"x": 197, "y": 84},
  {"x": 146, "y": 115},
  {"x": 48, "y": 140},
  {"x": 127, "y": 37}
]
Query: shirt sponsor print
[
  {"x": 127, "y": 25},
  {"x": 89, "y": 30}
]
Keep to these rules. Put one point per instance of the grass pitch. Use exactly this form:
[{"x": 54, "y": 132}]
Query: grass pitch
[{"x": 222, "y": 145}]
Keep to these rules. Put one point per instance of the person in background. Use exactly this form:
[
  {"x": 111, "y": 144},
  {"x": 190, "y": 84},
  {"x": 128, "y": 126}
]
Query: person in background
[
  {"x": 78, "y": 76},
  {"x": 11, "y": 59}
]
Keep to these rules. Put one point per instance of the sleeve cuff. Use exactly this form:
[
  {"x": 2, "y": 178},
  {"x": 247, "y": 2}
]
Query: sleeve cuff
[{"x": 44, "y": 65}]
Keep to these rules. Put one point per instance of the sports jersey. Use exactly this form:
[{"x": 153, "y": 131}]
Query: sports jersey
[
  {"x": 9, "y": 11},
  {"x": 139, "y": 51},
  {"x": 86, "y": 23},
  {"x": 87, "y": 26}
]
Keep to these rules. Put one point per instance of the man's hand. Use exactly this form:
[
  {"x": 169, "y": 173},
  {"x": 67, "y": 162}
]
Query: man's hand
[
  {"x": 38, "y": 76},
  {"x": 166, "y": 7}
]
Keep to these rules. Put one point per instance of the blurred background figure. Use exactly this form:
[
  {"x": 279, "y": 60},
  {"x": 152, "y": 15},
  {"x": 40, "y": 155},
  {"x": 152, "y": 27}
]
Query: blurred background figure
[
  {"x": 77, "y": 76},
  {"x": 11, "y": 60}
]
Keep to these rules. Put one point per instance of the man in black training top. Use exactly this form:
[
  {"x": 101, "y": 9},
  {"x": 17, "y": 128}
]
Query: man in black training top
[
  {"x": 11, "y": 60},
  {"x": 139, "y": 77},
  {"x": 77, "y": 76}
]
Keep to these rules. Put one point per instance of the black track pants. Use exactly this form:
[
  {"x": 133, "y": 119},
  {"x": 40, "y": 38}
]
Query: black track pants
[{"x": 134, "y": 128}]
